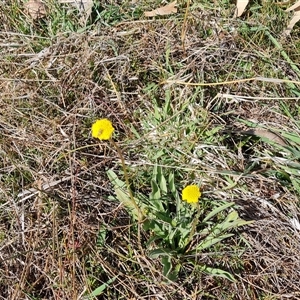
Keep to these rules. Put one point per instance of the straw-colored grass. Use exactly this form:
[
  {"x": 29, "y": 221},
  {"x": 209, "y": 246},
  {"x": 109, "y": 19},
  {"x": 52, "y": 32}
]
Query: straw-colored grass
[{"x": 63, "y": 232}]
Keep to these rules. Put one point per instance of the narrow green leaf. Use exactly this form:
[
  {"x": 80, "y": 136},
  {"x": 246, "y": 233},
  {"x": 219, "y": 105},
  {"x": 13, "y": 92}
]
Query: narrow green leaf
[
  {"x": 99, "y": 290},
  {"x": 292, "y": 137},
  {"x": 211, "y": 240},
  {"x": 135, "y": 132},
  {"x": 173, "y": 190},
  {"x": 122, "y": 196},
  {"x": 232, "y": 216},
  {"x": 155, "y": 172},
  {"x": 296, "y": 184},
  {"x": 218, "y": 272},
  {"x": 155, "y": 197},
  {"x": 158, "y": 154},
  {"x": 126, "y": 200},
  {"x": 102, "y": 233},
  {"x": 159, "y": 252},
  {"x": 217, "y": 210},
  {"x": 171, "y": 183},
  {"x": 156, "y": 227},
  {"x": 155, "y": 192},
  {"x": 168, "y": 269},
  {"x": 231, "y": 221},
  {"x": 115, "y": 180},
  {"x": 167, "y": 265},
  {"x": 167, "y": 106},
  {"x": 163, "y": 184},
  {"x": 164, "y": 217}
]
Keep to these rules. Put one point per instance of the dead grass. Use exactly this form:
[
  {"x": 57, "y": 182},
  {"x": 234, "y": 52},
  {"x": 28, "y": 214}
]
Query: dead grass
[{"x": 61, "y": 236}]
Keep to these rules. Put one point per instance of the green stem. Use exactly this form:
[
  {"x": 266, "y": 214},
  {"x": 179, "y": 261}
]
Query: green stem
[
  {"x": 282, "y": 52},
  {"x": 194, "y": 224},
  {"x": 139, "y": 212},
  {"x": 285, "y": 56}
]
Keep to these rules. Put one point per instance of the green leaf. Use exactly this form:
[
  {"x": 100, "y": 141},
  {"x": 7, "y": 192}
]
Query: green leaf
[
  {"x": 232, "y": 216},
  {"x": 217, "y": 210},
  {"x": 211, "y": 240},
  {"x": 158, "y": 186},
  {"x": 135, "y": 132},
  {"x": 155, "y": 196},
  {"x": 158, "y": 154},
  {"x": 168, "y": 269},
  {"x": 167, "y": 106},
  {"x": 163, "y": 216},
  {"x": 160, "y": 252},
  {"x": 217, "y": 272},
  {"x": 155, "y": 192},
  {"x": 156, "y": 227},
  {"x": 123, "y": 196},
  {"x": 291, "y": 137},
  {"x": 126, "y": 200},
  {"x": 161, "y": 180},
  {"x": 115, "y": 180},
  {"x": 102, "y": 233},
  {"x": 213, "y": 131},
  {"x": 171, "y": 183},
  {"x": 167, "y": 265},
  {"x": 99, "y": 290},
  {"x": 293, "y": 169},
  {"x": 155, "y": 172},
  {"x": 173, "y": 190},
  {"x": 163, "y": 184},
  {"x": 296, "y": 184},
  {"x": 216, "y": 235},
  {"x": 184, "y": 237},
  {"x": 233, "y": 221}
]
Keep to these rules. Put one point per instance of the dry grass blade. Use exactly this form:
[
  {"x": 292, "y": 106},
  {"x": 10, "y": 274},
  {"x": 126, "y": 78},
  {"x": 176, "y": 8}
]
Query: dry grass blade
[
  {"x": 63, "y": 233},
  {"x": 162, "y": 11},
  {"x": 240, "y": 7},
  {"x": 294, "y": 7},
  {"x": 293, "y": 21},
  {"x": 264, "y": 133},
  {"x": 295, "y": 17}
]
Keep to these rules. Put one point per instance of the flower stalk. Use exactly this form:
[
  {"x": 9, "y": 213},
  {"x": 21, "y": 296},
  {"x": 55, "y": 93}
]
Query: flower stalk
[{"x": 103, "y": 130}]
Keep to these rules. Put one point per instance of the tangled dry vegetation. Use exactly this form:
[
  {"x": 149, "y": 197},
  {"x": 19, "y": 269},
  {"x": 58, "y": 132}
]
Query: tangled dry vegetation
[{"x": 61, "y": 235}]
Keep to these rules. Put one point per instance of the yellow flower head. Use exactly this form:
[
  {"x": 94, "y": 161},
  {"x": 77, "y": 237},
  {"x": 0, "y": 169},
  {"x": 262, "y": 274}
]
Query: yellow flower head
[
  {"x": 102, "y": 129},
  {"x": 191, "y": 194}
]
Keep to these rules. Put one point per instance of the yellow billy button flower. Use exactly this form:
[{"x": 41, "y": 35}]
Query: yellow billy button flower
[
  {"x": 102, "y": 129},
  {"x": 191, "y": 194}
]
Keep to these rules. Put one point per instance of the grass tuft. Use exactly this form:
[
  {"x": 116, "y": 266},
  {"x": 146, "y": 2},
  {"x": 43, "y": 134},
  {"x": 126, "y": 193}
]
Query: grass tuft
[{"x": 196, "y": 98}]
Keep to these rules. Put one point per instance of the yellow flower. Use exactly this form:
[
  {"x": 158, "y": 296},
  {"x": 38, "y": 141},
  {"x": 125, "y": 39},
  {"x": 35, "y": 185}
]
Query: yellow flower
[
  {"x": 102, "y": 129},
  {"x": 191, "y": 194}
]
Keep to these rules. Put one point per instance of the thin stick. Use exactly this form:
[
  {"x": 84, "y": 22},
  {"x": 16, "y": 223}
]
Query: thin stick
[
  {"x": 184, "y": 26},
  {"x": 275, "y": 80}
]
